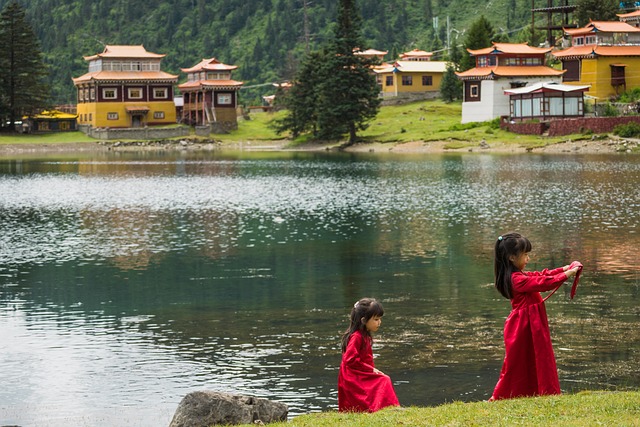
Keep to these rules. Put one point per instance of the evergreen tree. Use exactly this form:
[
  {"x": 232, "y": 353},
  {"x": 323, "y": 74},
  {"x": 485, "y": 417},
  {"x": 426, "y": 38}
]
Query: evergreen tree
[
  {"x": 451, "y": 86},
  {"x": 22, "y": 70},
  {"x": 480, "y": 35},
  {"x": 348, "y": 92},
  {"x": 596, "y": 10},
  {"x": 301, "y": 100}
]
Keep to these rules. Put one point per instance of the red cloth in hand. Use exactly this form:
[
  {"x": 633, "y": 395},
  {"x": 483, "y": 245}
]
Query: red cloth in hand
[{"x": 576, "y": 279}]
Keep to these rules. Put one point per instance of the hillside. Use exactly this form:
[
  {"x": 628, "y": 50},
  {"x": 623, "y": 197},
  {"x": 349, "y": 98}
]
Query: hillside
[{"x": 265, "y": 38}]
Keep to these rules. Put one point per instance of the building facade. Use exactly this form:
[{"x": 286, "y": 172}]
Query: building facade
[
  {"x": 414, "y": 75},
  {"x": 500, "y": 67},
  {"x": 210, "y": 96},
  {"x": 124, "y": 88},
  {"x": 604, "y": 55}
]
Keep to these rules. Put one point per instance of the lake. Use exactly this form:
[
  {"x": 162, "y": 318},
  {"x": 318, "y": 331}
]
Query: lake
[{"x": 128, "y": 280}]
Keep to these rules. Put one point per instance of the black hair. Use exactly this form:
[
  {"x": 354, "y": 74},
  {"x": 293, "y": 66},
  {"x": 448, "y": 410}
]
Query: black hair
[
  {"x": 507, "y": 246},
  {"x": 362, "y": 311}
]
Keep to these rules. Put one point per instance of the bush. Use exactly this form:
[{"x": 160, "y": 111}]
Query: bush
[
  {"x": 627, "y": 130},
  {"x": 610, "y": 110}
]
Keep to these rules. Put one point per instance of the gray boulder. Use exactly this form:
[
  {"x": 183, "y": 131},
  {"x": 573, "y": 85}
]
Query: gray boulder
[{"x": 207, "y": 408}]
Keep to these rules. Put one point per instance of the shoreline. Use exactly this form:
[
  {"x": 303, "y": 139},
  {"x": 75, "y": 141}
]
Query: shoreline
[{"x": 608, "y": 145}]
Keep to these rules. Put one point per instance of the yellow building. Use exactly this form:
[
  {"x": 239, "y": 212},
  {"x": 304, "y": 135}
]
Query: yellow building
[
  {"x": 414, "y": 75},
  {"x": 604, "y": 55},
  {"x": 125, "y": 88}
]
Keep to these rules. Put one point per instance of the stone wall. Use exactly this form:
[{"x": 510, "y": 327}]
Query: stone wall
[
  {"x": 593, "y": 124},
  {"x": 134, "y": 133},
  {"x": 560, "y": 127}
]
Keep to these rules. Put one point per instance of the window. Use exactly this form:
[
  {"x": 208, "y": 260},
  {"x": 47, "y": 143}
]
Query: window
[
  {"x": 93, "y": 94},
  {"x": 388, "y": 81},
  {"x": 109, "y": 93},
  {"x": 158, "y": 114},
  {"x": 578, "y": 41},
  {"x": 474, "y": 90},
  {"x": 573, "y": 70},
  {"x": 224, "y": 98},
  {"x": 590, "y": 40},
  {"x": 407, "y": 80},
  {"x": 160, "y": 93},
  {"x": 427, "y": 80},
  {"x": 112, "y": 116},
  {"x": 135, "y": 93}
]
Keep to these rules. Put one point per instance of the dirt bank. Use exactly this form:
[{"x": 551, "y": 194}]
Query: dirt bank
[{"x": 607, "y": 145}]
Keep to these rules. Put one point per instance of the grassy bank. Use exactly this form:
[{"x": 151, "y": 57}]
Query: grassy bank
[
  {"x": 418, "y": 121},
  {"x": 582, "y": 409}
]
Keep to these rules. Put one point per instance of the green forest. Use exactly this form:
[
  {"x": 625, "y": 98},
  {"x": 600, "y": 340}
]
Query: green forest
[{"x": 267, "y": 39}]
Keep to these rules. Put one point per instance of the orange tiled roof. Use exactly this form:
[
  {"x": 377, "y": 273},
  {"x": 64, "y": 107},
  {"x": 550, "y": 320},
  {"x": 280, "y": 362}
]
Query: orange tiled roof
[
  {"x": 124, "y": 51},
  {"x": 585, "y": 51},
  {"x": 211, "y": 64},
  {"x": 509, "y": 71},
  {"x": 602, "y": 27},
  {"x": 211, "y": 84},
  {"x": 629, "y": 15},
  {"x": 416, "y": 53},
  {"x": 125, "y": 75},
  {"x": 513, "y": 48}
]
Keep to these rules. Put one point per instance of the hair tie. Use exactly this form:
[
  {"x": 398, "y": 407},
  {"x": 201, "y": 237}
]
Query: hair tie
[{"x": 500, "y": 238}]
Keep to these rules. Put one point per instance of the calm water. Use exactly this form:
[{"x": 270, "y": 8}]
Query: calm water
[{"x": 127, "y": 281}]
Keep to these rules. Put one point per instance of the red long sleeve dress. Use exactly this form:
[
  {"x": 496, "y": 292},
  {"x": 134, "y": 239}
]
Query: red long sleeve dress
[
  {"x": 529, "y": 367},
  {"x": 359, "y": 388}
]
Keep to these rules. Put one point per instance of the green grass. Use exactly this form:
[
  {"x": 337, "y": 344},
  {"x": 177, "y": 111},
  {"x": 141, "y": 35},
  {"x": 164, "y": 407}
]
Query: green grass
[
  {"x": 45, "y": 138},
  {"x": 425, "y": 121},
  {"x": 581, "y": 409}
]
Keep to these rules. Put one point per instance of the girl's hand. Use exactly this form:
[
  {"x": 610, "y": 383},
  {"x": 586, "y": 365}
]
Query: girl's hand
[
  {"x": 572, "y": 271},
  {"x": 376, "y": 371}
]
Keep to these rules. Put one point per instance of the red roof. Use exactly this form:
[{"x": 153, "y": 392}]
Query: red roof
[
  {"x": 602, "y": 27},
  {"x": 509, "y": 71},
  {"x": 125, "y": 51},
  {"x": 211, "y": 84},
  {"x": 635, "y": 13},
  {"x": 211, "y": 64},
  {"x": 126, "y": 76},
  {"x": 416, "y": 53},
  {"x": 512, "y": 48},
  {"x": 596, "y": 50}
]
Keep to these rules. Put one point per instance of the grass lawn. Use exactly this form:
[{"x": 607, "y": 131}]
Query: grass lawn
[
  {"x": 581, "y": 409},
  {"x": 418, "y": 121},
  {"x": 432, "y": 120}
]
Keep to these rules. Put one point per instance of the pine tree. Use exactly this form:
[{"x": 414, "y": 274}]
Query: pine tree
[
  {"x": 348, "y": 92},
  {"x": 451, "y": 87},
  {"x": 480, "y": 35},
  {"x": 22, "y": 71},
  {"x": 301, "y": 100},
  {"x": 596, "y": 10}
]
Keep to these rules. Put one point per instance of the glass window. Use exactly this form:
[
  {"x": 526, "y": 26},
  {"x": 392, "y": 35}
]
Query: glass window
[
  {"x": 407, "y": 80},
  {"x": 427, "y": 80},
  {"x": 135, "y": 93},
  {"x": 109, "y": 93},
  {"x": 389, "y": 80},
  {"x": 160, "y": 93},
  {"x": 224, "y": 98},
  {"x": 474, "y": 91},
  {"x": 112, "y": 116},
  {"x": 158, "y": 114}
]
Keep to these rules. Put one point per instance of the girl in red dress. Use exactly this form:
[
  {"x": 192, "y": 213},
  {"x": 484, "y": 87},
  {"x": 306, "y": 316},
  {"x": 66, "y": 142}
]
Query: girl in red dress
[
  {"x": 529, "y": 367},
  {"x": 361, "y": 387}
]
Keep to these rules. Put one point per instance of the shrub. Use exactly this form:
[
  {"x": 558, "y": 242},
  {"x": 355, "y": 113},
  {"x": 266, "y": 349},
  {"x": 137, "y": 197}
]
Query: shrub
[{"x": 627, "y": 130}]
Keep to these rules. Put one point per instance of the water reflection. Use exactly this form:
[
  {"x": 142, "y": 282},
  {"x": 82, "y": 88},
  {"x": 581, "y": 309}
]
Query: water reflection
[{"x": 127, "y": 280}]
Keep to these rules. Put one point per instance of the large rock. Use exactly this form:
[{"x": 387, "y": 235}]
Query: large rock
[{"x": 207, "y": 408}]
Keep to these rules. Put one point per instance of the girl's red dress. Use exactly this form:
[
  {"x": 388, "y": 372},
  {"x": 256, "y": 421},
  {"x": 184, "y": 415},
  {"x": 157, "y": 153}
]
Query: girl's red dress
[
  {"x": 529, "y": 367},
  {"x": 359, "y": 388}
]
